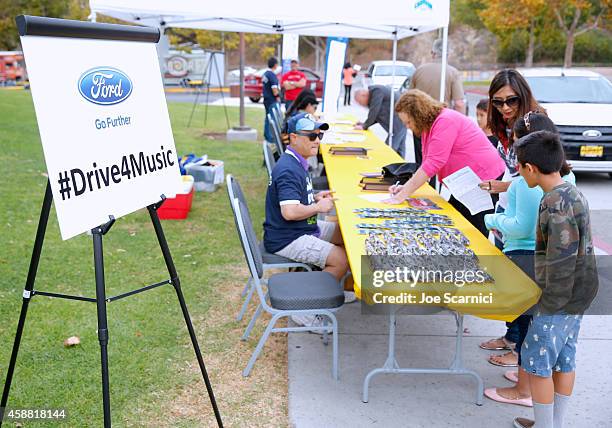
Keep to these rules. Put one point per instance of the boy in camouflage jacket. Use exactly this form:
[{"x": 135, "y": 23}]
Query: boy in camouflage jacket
[{"x": 565, "y": 271}]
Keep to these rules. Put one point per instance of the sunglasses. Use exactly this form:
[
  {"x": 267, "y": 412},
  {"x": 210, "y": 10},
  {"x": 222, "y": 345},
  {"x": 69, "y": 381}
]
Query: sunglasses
[
  {"x": 312, "y": 136},
  {"x": 512, "y": 101}
]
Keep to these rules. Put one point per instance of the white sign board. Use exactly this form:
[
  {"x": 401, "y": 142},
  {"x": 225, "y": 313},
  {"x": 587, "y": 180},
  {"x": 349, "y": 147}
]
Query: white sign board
[
  {"x": 291, "y": 43},
  {"x": 104, "y": 127},
  {"x": 336, "y": 50}
]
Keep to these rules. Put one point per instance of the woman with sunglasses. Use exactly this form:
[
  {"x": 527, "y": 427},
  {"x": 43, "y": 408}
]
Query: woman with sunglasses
[
  {"x": 510, "y": 99},
  {"x": 450, "y": 141}
]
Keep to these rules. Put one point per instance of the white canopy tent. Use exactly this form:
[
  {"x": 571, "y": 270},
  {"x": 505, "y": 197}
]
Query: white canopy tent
[{"x": 382, "y": 19}]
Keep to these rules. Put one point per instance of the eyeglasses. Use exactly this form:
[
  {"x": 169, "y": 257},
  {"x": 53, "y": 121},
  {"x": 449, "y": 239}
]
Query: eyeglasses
[
  {"x": 312, "y": 136},
  {"x": 512, "y": 101}
]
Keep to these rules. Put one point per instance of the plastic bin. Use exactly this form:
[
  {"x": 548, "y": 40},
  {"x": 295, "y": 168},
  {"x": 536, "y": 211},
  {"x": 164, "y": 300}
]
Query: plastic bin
[
  {"x": 207, "y": 177},
  {"x": 178, "y": 208}
]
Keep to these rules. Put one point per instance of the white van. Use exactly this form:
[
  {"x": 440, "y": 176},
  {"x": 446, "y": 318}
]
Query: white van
[{"x": 381, "y": 73}]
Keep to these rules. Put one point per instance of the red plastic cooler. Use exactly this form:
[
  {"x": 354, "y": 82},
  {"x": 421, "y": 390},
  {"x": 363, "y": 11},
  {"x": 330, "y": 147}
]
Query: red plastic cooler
[{"x": 178, "y": 208}]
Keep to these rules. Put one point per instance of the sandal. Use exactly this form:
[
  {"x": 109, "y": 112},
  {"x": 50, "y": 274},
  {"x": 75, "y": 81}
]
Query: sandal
[
  {"x": 498, "y": 344},
  {"x": 492, "y": 394},
  {"x": 511, "y": 375},
  {"x": 510, "y": 362}
]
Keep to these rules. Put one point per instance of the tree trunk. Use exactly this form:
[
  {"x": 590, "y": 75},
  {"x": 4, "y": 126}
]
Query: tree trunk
[
  {"x": 569, "y": 50},
  {"x": 531, "y": 45}
]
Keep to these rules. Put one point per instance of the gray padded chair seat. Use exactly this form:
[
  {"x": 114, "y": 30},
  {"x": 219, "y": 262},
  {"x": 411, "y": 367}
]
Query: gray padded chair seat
[
  {"x": 271, "y": 258},
  {"x": 305, "y": 290}
]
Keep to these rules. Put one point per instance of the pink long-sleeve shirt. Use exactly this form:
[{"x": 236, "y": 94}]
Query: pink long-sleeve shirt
[{"x": 455, "y": 141}]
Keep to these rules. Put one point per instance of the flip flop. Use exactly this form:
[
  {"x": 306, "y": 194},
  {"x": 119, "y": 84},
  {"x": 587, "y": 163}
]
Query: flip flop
[
  {"x": 492, "y": 394},
  {"x": 511, "y": 375},
  {"x": 507, "y": 345},
  {"x": 495, "y": 363}
]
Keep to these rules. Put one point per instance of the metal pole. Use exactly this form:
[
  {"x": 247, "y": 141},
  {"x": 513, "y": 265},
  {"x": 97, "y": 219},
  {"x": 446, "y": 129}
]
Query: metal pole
[
  {"x": 241, "y": 49},
  {"x": 392, "y": 107},
  {"x": 27, "y": 293},
  {"x": 444, "y": 61},
  {"x": 102, "y": 322}
]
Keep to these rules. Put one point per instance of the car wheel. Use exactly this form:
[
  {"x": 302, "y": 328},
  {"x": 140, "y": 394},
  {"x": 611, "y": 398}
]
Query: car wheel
[
  {"x": 610, "y": 175},
  {"x": 254, "y": 99}
]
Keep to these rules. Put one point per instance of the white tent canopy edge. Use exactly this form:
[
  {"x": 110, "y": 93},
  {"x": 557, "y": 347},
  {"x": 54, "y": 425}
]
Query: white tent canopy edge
[{"x": 385, "y": 19}]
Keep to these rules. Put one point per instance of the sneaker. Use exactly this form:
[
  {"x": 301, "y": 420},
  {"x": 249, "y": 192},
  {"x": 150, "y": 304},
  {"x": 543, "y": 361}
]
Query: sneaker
[
  {"x": 320, "y": 321},
  {"x": 349, "y": 297},
  {"x": 523, "y": 423}
]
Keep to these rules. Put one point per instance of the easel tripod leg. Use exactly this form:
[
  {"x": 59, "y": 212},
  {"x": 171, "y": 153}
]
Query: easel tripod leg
[
  {"x": 102, "y": 321},
  {"x": 27, "y": 294},
  {"x": 159, "y": 232}
]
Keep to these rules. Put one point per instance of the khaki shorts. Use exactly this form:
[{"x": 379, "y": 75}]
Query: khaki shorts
[{"x": 309, "y": 249}]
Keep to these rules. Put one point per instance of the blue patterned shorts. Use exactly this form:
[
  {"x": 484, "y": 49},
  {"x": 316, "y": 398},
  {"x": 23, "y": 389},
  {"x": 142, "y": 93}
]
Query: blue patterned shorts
[{"x": 551, "y": 344}]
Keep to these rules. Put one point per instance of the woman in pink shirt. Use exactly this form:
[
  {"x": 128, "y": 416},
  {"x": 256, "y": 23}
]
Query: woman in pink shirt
[{"x": 450, "y": 142}]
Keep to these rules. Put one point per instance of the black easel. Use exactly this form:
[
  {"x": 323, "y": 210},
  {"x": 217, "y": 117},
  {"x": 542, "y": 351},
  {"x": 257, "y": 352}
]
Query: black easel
[
  {"x": 101, "y": 300},
  {"x": 207, "y": 77},
  {"x": 31, "y": 25}
]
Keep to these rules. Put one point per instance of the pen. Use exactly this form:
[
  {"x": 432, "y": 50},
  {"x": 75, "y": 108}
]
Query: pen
[{"x": 391, "y": 194}]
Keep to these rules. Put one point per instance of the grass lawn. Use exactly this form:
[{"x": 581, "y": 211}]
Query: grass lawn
[{"x": 154, "y": 376}]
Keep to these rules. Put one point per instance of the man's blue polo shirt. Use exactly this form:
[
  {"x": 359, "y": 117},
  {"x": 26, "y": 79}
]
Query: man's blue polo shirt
[
  {"x": 269, "y": 81},
  {"x": 290, "y": 184}
]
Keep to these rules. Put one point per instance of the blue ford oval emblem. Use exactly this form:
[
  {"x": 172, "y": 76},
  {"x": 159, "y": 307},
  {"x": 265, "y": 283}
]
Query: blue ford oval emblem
[{"x": 105, "y": 86}]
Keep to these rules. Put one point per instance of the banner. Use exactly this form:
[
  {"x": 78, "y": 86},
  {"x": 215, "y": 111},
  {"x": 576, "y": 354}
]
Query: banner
[
  {"x": 334, "y": 61},
  {"x": 291, "y": 43},
  {"x": 104, "y": 127}
]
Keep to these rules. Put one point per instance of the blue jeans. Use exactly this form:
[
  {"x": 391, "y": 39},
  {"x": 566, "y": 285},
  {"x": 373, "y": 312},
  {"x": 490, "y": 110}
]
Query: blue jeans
[
  {"x": 498, "y": 243},
  {"x": 267, "y": 131},
  {"x": 518, "y": 328}
]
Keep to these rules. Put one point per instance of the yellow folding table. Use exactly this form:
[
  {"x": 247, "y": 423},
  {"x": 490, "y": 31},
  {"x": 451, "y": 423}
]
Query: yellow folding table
[{"x": 514, "y": 291}]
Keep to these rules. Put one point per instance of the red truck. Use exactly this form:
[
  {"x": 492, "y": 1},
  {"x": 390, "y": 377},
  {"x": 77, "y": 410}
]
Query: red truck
[
  {"x": 12, "y": 68},
  {"x": 253, "y": 87}
]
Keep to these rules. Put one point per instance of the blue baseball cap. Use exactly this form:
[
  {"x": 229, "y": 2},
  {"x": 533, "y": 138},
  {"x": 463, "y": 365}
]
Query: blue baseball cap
[{"x": 305, "y": 122}]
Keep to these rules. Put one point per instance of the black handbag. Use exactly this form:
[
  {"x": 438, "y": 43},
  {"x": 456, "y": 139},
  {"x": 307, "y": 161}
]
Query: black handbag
[{"x": 401, "y": 171}]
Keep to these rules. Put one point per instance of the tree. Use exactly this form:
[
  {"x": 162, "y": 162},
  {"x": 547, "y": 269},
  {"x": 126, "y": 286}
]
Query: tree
[
  {"x": 576, "y": 17},
  {"x": 503, "y": 16},
  {"x": 318, "y": 45}
]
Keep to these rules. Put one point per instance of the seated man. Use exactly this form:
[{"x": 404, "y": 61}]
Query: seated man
[{"x": 291, "y": 228}]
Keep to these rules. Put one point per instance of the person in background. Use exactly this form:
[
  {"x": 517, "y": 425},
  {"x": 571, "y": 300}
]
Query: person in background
[
  {"x": 305, "y": 102},
  {"x": 566, "y": 271},
  {"x": 427, "y": 79},
  {"x": 510, "y": 99},
  {"x": 451, "y": 141},
  {"x": 481, "y": 117},
  {"x": 270, "y": 95},
  {"x": 518, "y": 225},
  {"x": 293, "y": 82},
  {"x": 377, "y": 98},
  {"x": 347, "y": 80}
]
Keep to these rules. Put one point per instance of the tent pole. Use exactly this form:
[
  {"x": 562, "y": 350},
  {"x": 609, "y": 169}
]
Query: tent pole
[
  {"x": 444, "y": 62},
  {"x": 241, "y": 48},
  {"x": 392, "y": 107}
]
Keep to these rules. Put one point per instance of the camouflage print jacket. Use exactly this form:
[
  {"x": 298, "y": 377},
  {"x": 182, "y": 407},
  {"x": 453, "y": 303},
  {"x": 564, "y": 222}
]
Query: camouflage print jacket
[{"x": 564, "y": 257}]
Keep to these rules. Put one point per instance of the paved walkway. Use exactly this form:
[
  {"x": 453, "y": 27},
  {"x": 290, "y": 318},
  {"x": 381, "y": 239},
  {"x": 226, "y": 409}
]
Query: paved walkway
[{"x": 315, "y": 400}]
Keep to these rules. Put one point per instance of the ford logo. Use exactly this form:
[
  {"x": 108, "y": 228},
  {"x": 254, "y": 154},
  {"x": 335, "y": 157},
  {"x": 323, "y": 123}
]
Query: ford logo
[
  {"x": 105, "y": 86},
  {"x": 591, "y": 133}
]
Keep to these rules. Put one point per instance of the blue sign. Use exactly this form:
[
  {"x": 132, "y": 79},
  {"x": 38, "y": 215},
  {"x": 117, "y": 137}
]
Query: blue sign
[
  {"x": 423, "y": 3},
  {"x": 105, "y": 86}
]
